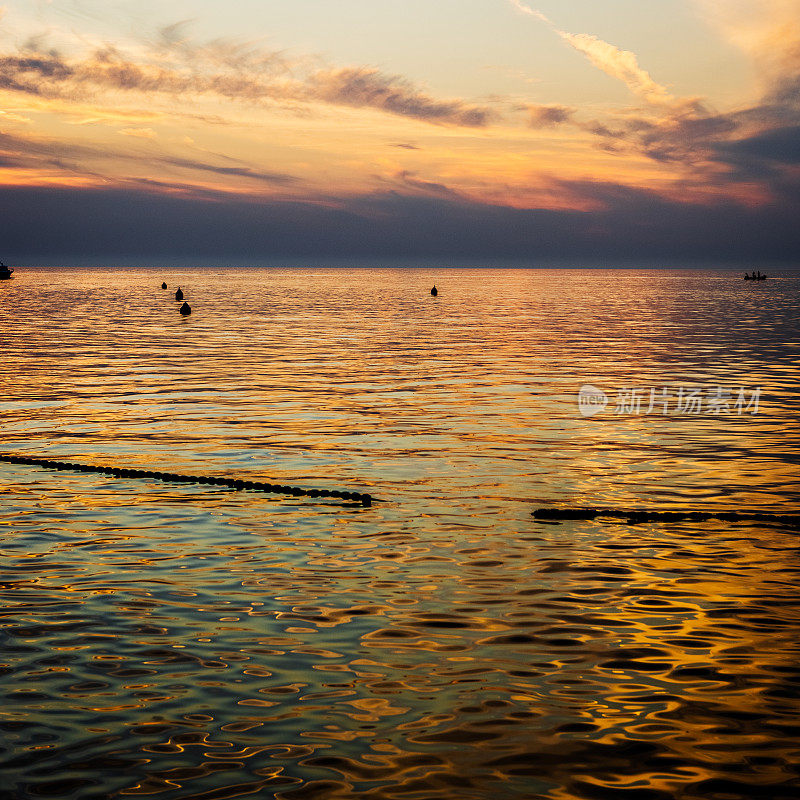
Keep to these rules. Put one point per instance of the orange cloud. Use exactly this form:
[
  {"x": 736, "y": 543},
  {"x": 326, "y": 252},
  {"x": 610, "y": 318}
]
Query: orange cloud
[
  {"x": 139, "y": 133},
  {"x": 768, "y": 30}
]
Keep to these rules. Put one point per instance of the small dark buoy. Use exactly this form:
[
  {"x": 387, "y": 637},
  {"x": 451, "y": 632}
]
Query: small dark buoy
[
  {"x": 186, "y": 309},
  {"x": 434, "y": 291},
  {"x": 179, "y": 294},
  {"x": 163, "y": 285}
]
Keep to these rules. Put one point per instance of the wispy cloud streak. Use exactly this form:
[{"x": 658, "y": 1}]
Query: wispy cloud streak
[
  {"x": 620, "y": 64},
  {"x": 531, "y": 12},
  {"x": 30, "y": 152},
  {"x": 230, "y": 72},
  {"x": 362, "y": 87},
  {"x": 614, "y": 61}
]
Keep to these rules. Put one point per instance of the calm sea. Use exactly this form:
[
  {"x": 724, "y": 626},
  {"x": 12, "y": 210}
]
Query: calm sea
[{"x": 192, "y": 642}]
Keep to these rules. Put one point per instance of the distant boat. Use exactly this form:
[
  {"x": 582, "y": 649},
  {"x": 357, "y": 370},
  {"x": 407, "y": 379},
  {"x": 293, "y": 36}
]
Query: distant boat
[
  {"x": 754, "y": 277},
  {"x": 5, "y": 272}
]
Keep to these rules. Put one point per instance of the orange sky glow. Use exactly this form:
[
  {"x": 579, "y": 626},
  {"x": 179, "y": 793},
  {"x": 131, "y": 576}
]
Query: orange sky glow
[{"x": 498, "y": 103}]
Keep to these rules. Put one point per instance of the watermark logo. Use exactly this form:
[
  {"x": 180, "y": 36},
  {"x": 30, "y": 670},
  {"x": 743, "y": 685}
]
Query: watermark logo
[
  {"x": 669, "y": 401},
  {"x": 591, "y": 400}
]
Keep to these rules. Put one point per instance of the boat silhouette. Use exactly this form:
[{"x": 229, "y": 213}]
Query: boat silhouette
[{"x": 5, "y": 272}]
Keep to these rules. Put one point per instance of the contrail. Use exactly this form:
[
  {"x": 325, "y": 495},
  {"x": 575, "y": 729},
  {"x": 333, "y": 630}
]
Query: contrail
[
  {"x": 618, "y": 63},
  {"x": 530, "y": 11}
]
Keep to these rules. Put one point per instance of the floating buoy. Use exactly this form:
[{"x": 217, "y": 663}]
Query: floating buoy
[
  {"x": 163, "y": 285},
  {"x": 434, "y": 291},
  {"x": 179, "y": 294},
  {"x": 186, "y": 309}
]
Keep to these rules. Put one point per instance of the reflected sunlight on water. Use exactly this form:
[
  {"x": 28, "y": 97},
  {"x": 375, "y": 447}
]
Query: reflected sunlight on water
[{"x": 195, "y": 642}]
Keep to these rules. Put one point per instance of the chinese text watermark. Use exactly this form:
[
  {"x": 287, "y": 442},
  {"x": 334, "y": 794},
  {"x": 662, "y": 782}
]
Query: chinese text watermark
[{"x": 669, "y": 401}]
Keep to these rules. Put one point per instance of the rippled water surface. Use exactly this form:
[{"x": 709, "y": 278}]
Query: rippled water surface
[{"x": 188, "y": 641}]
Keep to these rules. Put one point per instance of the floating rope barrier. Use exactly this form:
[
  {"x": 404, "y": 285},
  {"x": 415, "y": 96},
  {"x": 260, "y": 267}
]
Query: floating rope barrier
[
  {"x": 174, "y": 477},
  {"x": 636, "y": 517}
]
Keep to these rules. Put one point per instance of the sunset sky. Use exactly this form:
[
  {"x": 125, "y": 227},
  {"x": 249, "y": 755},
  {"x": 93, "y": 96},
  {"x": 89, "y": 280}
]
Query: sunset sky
[{"x": 574, "y": 132}]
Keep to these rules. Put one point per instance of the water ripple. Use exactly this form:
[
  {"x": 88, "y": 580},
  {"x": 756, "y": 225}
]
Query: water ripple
[{"x": 184, "y": 641}]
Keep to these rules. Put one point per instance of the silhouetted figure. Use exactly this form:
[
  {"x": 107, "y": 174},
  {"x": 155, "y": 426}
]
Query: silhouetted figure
[
  {"x": 434, "y": 291},
  {"x": 186, "y": 309},
  {"x": 179, "y": 294},
  {"x": 163, "y": 285}
]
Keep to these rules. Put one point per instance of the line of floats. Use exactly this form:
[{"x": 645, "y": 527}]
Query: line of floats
[
  {"x": 173, "y": 477},
  {"x": 640, "y": 516}
]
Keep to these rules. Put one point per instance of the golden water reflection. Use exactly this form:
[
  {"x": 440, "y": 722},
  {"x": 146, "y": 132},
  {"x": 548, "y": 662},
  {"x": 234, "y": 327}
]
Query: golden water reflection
[{"x": 195, "y": 642}]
